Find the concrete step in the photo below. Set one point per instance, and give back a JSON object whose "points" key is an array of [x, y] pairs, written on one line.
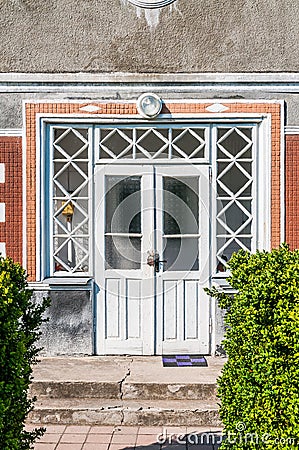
{"points": [[90, 411], [125, 390]]}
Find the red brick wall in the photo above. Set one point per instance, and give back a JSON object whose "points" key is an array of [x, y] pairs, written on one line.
{"points": [[292, 190], [11, 195]]}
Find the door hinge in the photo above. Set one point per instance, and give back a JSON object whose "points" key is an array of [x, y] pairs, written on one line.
{"points": [[210, 174], [210, 325]]}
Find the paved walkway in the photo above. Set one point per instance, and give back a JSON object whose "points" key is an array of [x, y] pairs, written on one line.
{"points": [[68, 437]]}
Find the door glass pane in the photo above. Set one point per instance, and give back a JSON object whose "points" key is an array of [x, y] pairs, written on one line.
{"points": [[123, 204], [122, 252], [181, 254], [180, 205]]}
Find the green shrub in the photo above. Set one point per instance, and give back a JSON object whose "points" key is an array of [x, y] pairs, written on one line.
{"points": [[19, 332], [259, 385]]}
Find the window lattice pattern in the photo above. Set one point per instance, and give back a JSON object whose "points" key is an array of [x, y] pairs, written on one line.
{"points": [[152, 143], [70, 199], [234, 192]]}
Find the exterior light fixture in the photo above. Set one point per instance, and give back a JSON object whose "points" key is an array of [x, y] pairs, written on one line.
{"points": [[151, 3], [149, 105]]}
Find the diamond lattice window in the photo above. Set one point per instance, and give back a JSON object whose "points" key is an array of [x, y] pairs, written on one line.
{"points": [[70, 195], [153, 143], [234, 192]]}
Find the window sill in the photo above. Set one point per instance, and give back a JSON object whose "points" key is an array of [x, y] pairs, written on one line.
{"points": [[219, 280], [63, 283]]}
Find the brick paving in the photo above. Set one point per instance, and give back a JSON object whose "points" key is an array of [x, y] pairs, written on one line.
{"points": [[71, 437]]}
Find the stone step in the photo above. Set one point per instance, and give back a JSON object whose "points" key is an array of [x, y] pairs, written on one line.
{"points": [[91, 411], [140, 391], [125, 390]]}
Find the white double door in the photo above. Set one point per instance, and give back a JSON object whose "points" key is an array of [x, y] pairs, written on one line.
{"points": [[152, 259]]}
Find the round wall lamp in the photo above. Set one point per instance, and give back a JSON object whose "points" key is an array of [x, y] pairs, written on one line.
{"points": [[151, 3], [149, 105]]}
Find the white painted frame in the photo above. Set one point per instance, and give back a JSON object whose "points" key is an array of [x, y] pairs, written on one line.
{"points": [[264, 138], [263, 169], [261, 206], [44, 248], [157, 124]]}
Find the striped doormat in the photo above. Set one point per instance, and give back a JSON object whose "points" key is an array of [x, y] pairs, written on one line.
{"points": [[184, 361]]}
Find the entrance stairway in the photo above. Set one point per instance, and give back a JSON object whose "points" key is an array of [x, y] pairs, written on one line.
{"points": [[124, 390]]}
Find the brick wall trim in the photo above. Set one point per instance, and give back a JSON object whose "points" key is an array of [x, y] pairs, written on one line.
{"points": [[292, 190], [11, 195]]}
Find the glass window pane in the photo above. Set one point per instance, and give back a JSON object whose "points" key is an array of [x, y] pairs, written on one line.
{"points": [[115, 142], [234, 217], [230, 246], [180, 205], [235, 141], [71, 254], [123, 204], [234, 179], [153, 142], [122, 252], [70, 142], [181, 254], [189, 141]]}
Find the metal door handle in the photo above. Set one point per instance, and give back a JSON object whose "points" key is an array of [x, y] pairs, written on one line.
{"points": [[157, 263], [154, 260]]}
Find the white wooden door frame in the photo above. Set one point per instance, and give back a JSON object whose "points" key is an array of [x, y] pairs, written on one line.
{"points": [[151, 336]]}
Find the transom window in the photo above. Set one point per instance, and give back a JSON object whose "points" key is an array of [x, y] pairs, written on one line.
{"points": [[178, 142]]}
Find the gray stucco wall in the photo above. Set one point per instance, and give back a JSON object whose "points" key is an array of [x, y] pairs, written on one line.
{"points": [[190, 36], [69, 330], [11, 104]]}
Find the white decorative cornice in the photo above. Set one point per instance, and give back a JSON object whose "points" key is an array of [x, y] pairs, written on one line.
{"points": [[291, 130], [105, 83], [125, 77], [10, 132]]}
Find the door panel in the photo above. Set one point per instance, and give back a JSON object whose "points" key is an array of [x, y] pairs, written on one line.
{"points": [[182, 305], [124, 224], [144, 309]]}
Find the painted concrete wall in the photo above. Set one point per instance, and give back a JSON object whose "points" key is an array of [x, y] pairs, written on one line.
{"points": [[189, 36], [69, 330]]}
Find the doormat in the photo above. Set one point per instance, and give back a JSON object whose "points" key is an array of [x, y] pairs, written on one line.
{"points": [[184, 361]]}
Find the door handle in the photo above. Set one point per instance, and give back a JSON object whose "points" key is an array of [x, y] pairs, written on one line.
{"points": [[154, 260], [157, 263]]}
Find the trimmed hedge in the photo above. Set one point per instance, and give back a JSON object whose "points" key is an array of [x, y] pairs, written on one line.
{"points": [[20, 320], [259, 385]]}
